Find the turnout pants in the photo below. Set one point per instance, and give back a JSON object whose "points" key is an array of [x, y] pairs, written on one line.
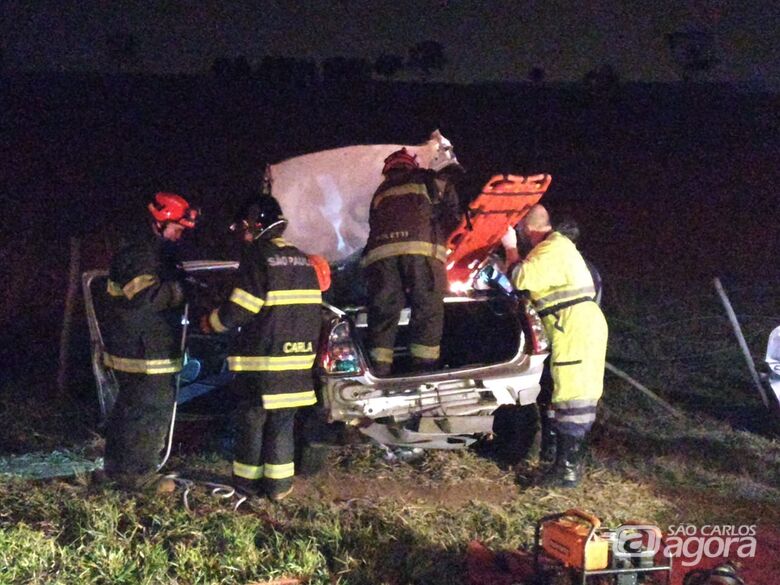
{"points": [[265, 443], [393, 281], [137, 425]]}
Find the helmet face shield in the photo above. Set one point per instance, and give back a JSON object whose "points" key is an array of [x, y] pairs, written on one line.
{"points": [[190, 217], [261, 216]]}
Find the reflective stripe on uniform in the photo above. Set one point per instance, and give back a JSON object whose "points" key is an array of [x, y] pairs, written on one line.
{"points": [[575, 404], [436, 251], [215, 323], [114, 289], [406, 189], [563, 295], [246, 300], [247, 471], [133, 287], [382, 354], [243, 363], [294, 297], [279, 470], [289, 400], [575, 417], [142, 366], [426, 352]]}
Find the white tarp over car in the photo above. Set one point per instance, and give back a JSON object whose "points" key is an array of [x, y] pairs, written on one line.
{"points": [[326, 195]]}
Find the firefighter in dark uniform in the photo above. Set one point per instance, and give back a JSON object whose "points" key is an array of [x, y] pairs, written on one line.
{"points": [[411, 215], [276, 302], [143, 342]]}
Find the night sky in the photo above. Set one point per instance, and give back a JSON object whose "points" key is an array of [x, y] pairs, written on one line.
{"points": [[483, 40]]}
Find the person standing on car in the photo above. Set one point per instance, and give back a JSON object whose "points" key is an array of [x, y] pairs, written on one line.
{"points": [[142, 337], [563, 293], [411, 215], [276, 303]]}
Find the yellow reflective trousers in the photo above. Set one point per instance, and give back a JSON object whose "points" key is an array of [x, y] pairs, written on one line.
{"points": [[578, 335]]}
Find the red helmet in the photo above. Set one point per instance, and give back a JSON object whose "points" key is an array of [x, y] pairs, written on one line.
{"points": [[400, 159], [171, 207]]}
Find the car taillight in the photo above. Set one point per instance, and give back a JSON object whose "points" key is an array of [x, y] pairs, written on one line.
{"points": [[339, 354], [538, 337]]}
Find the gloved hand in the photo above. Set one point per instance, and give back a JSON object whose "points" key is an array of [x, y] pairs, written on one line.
{"points": [[205, 325], [509, 239]]}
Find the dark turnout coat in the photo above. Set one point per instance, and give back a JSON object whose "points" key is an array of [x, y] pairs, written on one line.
{"points": [[409, 216], [276, 302], [143, 325]]}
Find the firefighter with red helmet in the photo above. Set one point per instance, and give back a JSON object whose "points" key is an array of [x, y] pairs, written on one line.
{"points": [[276, 302], [411, 215], [142, 341]]}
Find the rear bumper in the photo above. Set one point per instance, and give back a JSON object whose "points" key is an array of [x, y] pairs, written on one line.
{"points": [[464, 392]]}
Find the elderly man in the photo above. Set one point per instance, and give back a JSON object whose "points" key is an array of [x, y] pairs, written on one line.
{"points": [[562, 290]]}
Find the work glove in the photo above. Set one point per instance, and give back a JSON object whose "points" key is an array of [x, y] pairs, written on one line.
{"points": [[509, 239], [205, 325]]}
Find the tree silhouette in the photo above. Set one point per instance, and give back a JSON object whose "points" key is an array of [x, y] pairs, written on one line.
{"points": [[536, 75], [387, 65], [603, 79], [234, 69], [427, 56], [693, 52], [122, 50], [346, 70], [602, 83], [241, 68], [289, 71]]}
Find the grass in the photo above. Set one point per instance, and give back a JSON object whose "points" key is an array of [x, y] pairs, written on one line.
{"points": [[367, 520]]}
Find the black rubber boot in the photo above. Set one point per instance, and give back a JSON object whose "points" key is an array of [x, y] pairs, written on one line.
{"points": [[382, 369], [567, 470], [547, 449], [422, 365], [248, 487]]}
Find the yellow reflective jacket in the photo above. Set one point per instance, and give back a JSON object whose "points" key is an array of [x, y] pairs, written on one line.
{"points": [[555, 274], [561, 288]]}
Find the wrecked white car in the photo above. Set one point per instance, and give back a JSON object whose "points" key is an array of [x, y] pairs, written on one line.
{"points": [[492, 353]]}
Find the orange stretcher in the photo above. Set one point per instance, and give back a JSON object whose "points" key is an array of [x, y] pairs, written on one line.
{"points": [[504, 201]]}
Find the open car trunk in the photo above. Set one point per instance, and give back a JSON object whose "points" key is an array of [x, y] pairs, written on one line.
{"points": [[477, 333]]}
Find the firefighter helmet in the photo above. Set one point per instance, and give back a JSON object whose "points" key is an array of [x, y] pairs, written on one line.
{"points": [[261, 216], [400, 159], [169, 207]]}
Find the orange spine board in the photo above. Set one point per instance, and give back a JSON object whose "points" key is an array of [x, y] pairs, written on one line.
{"points": [[503, 202]]}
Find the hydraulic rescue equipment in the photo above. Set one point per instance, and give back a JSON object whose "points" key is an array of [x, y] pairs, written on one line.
{"points": [[573, 544]]}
